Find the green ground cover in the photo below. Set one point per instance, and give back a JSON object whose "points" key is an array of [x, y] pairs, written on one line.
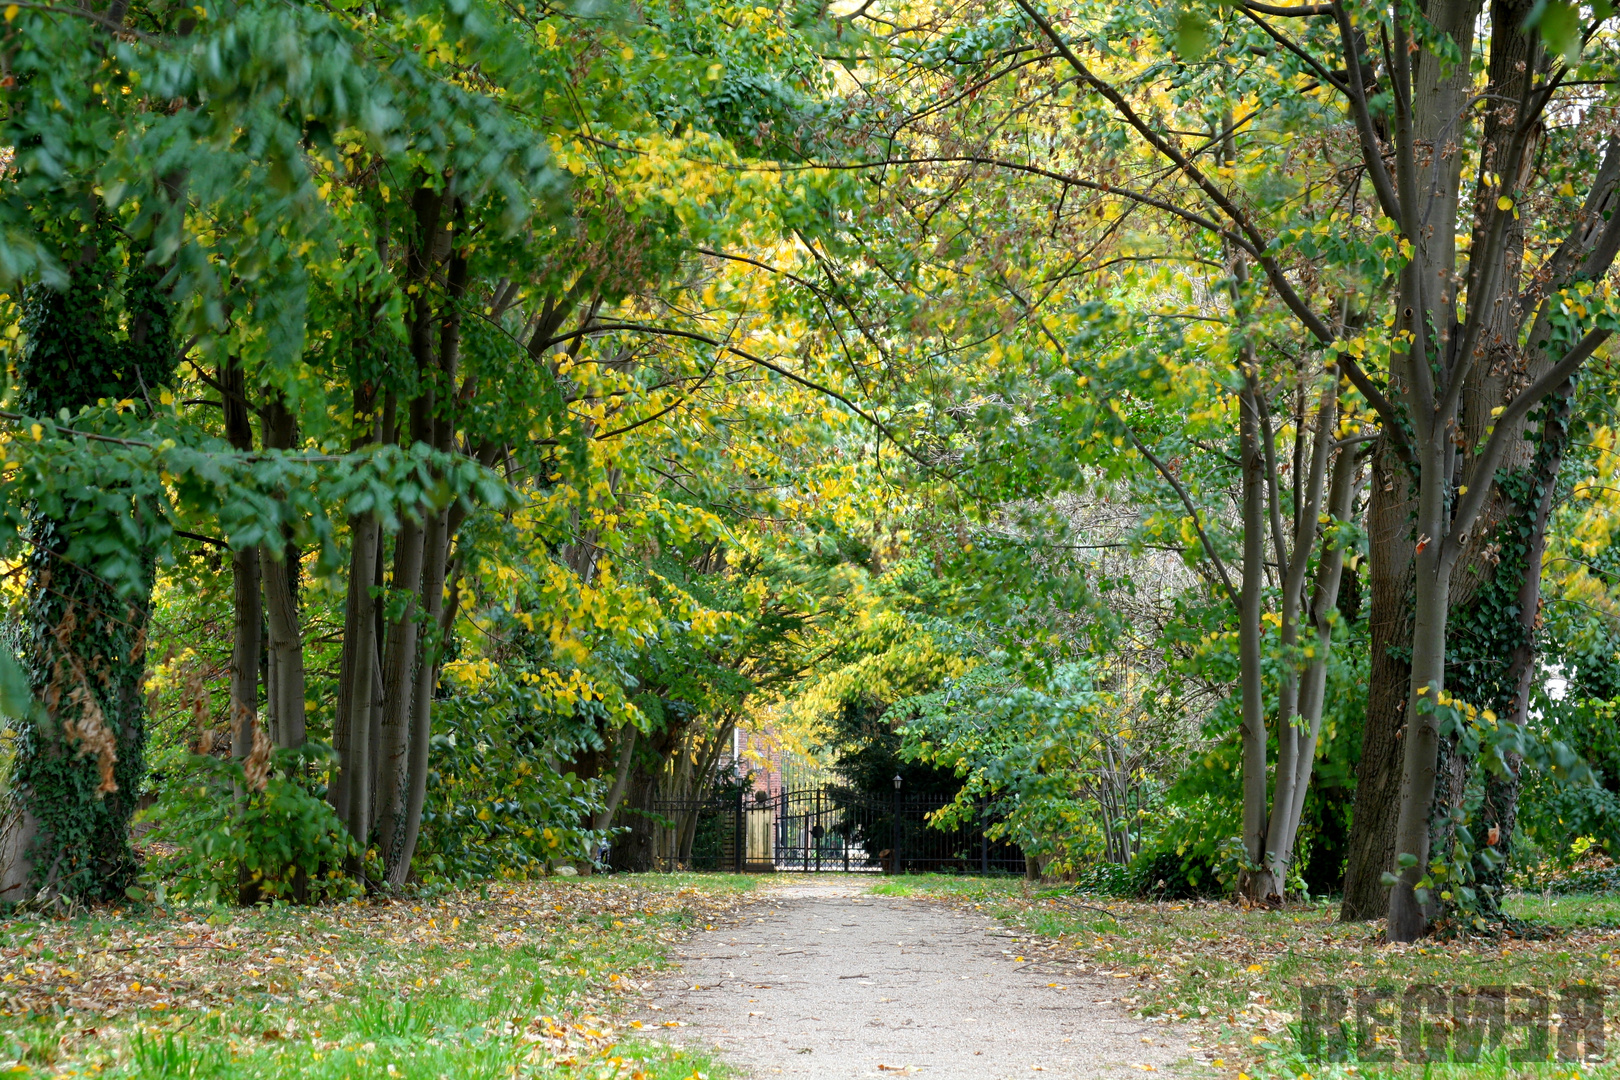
{"points": [[1232, 976], [514, 979]]}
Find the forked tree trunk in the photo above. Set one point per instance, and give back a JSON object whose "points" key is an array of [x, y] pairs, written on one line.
{"points": [[391, 779], [1294, 727], [1324, 604], [621, 776], [436, 543]]}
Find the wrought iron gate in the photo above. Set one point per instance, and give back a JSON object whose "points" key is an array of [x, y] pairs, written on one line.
{"points": [[823, 829]]}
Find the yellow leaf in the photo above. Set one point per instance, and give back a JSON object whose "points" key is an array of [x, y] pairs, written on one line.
{"points": [[38, 431], [1504, 203], [11, 11], [1256, 967]]}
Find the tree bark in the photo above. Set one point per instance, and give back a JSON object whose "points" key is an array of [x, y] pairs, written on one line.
{"points": [[286, 688], [1324, 605], [1407, 920], [1255, 882], [392, 776], [248, 614], [1293, 730], [1389, 624], [351, 792], [439, 535], [621, 775]]}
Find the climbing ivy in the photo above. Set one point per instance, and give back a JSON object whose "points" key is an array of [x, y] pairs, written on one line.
{"points": [[81, 758]]}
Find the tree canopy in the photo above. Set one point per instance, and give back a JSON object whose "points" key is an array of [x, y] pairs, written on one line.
{"points": [[435, 428]]}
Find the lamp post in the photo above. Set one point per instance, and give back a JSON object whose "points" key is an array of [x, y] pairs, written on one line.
{"points": [[898, 862]]}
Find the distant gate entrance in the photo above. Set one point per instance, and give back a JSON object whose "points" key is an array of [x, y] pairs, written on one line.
{"points": [[822, 829]]}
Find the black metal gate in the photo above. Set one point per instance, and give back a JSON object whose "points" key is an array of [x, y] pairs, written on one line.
{"points": [[823, 829]]}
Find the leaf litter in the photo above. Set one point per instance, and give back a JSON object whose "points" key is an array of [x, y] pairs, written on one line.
{"points": [[539, 971]]}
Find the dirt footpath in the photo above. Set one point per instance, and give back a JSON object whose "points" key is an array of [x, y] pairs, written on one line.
{"points": [[822, 980]]}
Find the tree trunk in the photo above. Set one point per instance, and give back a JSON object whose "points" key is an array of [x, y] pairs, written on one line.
{"points": [[351, 737], [390, 775], [1255, 881], [286, 688], [1433, 562], [633, 849], [1294, 730], [248, 616], [1324, 605], [79, 769], [1389, 622], [610, 805], [436, 543]]}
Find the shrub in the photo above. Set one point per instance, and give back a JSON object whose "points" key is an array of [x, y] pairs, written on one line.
{"points": [[497, 804], [222, 840]]}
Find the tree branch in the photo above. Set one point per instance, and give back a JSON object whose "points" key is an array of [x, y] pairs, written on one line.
{"points": [[1484, 469], [692, 335]]}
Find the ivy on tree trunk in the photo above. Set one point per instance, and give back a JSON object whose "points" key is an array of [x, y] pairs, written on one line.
{"points": [[80, 765]]}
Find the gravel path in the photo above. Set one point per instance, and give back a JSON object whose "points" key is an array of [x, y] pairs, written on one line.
{"points": [[822, 980]]}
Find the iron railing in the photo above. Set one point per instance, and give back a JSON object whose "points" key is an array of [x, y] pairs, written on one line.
{"points": [[822, 829]]}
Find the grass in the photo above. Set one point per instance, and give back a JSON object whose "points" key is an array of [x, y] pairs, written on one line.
{"points": [[515, 979], [1232, 977]]}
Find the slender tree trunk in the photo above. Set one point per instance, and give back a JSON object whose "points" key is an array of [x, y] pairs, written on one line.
{"points": [[351, 793], [390, 779], [621, 775], [286, 688], [420, 729], [379, 640], [1291, 727], [393, 780], [248, 615], [435, 566], [1324, 604], [700, 789], [1251, 605]]}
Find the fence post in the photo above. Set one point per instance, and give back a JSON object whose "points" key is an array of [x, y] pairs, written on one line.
{"points": [[741, 841], [814, 839], [984, 839], [899, 860]]}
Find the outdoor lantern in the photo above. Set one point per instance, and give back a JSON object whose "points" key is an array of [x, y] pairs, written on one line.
{"points": [[897, 781]]}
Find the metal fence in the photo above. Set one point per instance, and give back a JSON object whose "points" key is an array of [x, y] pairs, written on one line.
{"points": [[823, 829]]}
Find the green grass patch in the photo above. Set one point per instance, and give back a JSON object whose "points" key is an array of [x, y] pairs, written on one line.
{"points": [[957, 886], [511, 979]]}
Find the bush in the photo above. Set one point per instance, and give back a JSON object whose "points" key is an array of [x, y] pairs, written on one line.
{"points": [[1105, 879], [497, 806], [228, 841]]}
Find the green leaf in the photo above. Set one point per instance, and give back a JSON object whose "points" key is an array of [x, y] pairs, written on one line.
{"points": [[1560, 26], [1406, 860], [16, 697], [1192, 35]]}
